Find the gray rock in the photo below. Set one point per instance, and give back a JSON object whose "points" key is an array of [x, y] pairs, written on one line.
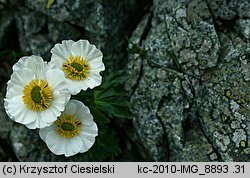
{"points": [[58, 31], [228, 100], [223, 10], [3, 1], [243, 9], [6, 28], [232, 15], [104, 23], [243, 28], [5, 123], [30, 26], [192, 84]]}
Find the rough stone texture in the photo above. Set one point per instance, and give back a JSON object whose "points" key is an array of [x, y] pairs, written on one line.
{"points": [[190, 91], [5, 124], [6, 28], [232, 15], [105, 23]]}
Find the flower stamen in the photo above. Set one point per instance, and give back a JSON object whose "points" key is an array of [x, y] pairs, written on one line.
{"points": [[68, 126], [76, 68], [37, 95]]}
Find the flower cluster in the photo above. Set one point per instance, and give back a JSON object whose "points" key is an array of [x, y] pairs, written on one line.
{"points": [[38, 95]]}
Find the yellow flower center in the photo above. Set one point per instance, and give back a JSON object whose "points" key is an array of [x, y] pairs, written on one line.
{"points": [[37, 95], [76, 68], [68, 126]]}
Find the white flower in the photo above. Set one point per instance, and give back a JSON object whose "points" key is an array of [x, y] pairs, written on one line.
{"points": [[73, 132], [36, 93], [81, 63]]}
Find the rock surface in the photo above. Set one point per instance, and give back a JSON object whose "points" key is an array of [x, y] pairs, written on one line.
{"points": [[190, 90], [105, 23]]}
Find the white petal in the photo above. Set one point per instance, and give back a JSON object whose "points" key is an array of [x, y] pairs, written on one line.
{"points": [[93, 51], [20, 64], [75, 86], [88, 134], [14, 90], [90, 130], [60, 94], [48, 115], [80, 111], [9, 85], [83, 113], [96, 78], [6, 108], [98, 69], [81, 48], [50, 66], [56, 79], [70, 108], [90, 82], [62, 51], [58, 102], [55, 143], [59, 145], [95, 57], [73, 146], [38, 123], [18, 111], [33, 60], [79, 104], [58, 84], [96, 63], [57, 61], [22, 77], [86, 118], [37, 65], [87, 144], [45, 131], [55, 111]]}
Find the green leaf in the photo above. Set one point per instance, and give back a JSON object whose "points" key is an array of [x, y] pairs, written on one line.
{"points": [[99, 117], [110, 98], [49, 3], [114, 79], [135, 48], [112, 92], [173, 56], [117, 102], [87, 97], [12, 54], [106, 146], [111, 110]]}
